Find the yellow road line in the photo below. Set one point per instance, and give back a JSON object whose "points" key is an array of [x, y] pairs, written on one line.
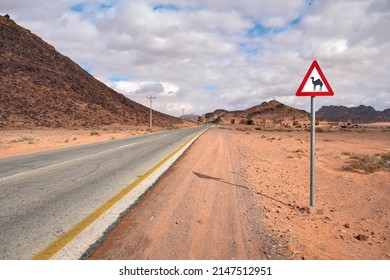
{"points": [[68, 236]]}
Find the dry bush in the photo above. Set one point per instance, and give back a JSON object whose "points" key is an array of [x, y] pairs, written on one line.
{"points": [[368, 163], [29, 139]]}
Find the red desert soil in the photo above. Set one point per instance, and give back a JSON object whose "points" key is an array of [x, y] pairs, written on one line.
{"points": [[239, 193], [19, 142]]}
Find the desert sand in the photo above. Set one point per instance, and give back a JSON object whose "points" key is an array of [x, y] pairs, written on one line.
{"points": [[351, 219], [19, 142]]}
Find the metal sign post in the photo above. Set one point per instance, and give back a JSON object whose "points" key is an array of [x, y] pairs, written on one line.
{"points": [[309, 88], [312, 150]]}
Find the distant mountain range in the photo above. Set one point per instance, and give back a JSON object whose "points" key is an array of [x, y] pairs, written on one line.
{"points": [[359, 114], [274, 110], [42, 88]]}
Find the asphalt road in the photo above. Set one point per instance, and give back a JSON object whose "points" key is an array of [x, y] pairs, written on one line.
{"points": [[44, 195]]}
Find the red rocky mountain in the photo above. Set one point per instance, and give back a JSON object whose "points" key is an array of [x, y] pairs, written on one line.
{"points": [[42, 88]]}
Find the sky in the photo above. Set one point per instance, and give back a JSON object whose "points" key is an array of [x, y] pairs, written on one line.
{"points": [[197, 56]]}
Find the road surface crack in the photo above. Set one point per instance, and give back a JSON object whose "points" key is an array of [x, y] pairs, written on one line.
{"points": [[82, 176]]}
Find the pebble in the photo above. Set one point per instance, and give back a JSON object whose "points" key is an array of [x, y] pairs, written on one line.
{"points": [[361, 237]]}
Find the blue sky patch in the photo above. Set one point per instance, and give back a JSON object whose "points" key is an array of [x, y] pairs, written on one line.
{"points": [[258, 30], [249, 48], [211, 87], [118, 78], [166, 7], [78, 8], [86, 68], [295, 21], [104, 7]]}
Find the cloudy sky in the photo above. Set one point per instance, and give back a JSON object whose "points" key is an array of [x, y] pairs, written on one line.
{"points": [[196, 56]]}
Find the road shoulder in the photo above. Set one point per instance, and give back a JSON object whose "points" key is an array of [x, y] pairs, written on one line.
{"points": [[200, 209]]}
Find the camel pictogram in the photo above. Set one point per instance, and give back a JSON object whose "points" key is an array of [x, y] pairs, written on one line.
{"points": [[316, 83]]}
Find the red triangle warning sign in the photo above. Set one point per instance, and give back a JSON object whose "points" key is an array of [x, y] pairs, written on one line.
{"points": [[317, 85]]}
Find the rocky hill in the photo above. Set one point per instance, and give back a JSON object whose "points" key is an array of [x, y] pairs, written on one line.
{"points": [[360, 114], [271, 110], [42, 88]]}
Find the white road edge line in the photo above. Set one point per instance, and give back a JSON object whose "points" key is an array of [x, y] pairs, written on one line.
{"points": [[32, 171], [121, 147]]}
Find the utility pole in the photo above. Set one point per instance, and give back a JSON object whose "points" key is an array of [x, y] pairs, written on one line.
{"points": [[151, 100]]}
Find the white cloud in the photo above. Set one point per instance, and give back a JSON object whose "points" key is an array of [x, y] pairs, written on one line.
{"points": [[132, 89], [179, 50], [183, 107]]}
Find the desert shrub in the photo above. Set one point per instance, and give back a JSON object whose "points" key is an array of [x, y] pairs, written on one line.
{"points": [[217, 120], [29, 139], [385, 156], [329, 140], [95, 133], [249, 122], [368, 163]]}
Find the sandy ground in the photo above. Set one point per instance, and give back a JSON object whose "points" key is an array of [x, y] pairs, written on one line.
{"points": [[351, 219], [242, 193], [19, 142]]}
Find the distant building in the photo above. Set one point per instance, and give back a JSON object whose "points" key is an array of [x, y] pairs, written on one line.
{"points": [[284, 122]]}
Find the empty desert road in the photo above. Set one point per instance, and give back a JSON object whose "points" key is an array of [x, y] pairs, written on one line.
{"points": [[44, 195]]}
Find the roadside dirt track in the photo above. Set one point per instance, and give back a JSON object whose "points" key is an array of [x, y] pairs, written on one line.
{"points": [[201, 209]]}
